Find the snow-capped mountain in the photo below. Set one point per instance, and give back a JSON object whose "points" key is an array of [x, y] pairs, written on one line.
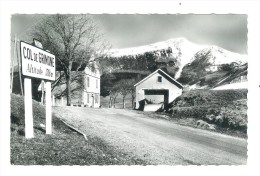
{"points": [[217, 56], [182, 50], [185, 52], [175, 44]]}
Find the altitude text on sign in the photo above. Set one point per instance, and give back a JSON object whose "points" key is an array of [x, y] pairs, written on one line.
{"points": [[37, 62]]}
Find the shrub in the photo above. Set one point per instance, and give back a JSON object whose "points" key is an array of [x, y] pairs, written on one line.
{"points": [[198, 112], [207, 97], [225, 108]]}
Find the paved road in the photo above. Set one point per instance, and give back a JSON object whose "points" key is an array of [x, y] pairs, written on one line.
{"points": [[156, 140]]}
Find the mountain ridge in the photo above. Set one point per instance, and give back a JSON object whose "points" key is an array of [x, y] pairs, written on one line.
{"points": [[182, 52]]}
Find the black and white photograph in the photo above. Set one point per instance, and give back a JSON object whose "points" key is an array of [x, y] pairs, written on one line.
{"points": [[130, 89]]}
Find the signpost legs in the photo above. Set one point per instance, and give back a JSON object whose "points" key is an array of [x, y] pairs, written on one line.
{"points": [[53, 100], [28, 108], [42, 88], [48, 108]]}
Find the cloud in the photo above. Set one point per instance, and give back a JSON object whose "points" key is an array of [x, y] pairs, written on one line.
{"points": [[227, 31]]}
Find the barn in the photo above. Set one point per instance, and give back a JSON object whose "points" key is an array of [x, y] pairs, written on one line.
{"points": [[157, 88]]}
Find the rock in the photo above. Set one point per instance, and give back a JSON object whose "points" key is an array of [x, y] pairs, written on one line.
{"points": [[204, 125], [211, 127], [210, 117]]}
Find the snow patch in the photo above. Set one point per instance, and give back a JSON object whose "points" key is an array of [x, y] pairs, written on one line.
{"points": [[240, 85]]}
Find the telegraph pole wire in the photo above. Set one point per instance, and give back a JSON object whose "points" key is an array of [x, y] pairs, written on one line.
{"points": [[12, 77]]}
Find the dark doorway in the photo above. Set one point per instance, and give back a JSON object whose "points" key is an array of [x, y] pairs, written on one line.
{"points": [[157, 96]]}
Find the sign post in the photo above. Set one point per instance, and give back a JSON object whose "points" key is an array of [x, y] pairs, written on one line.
{"points": [[36, 63], [48, 108], [28, 108], [42, 91]]}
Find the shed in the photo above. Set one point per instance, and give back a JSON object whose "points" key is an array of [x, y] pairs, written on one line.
{"points": [[157, 88]]}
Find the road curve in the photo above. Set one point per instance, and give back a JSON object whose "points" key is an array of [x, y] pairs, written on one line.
{"points": [[157, 141]]}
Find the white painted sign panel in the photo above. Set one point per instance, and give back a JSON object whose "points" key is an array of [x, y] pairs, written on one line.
{"points": [[37, 63]]}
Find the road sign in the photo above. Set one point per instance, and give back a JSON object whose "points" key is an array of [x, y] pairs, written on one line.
{"points": [[37, 63]]}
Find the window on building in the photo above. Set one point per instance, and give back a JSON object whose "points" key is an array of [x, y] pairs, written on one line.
{"points": [[87, 98], [87, 81], [96, 83], [159, 79], [96, 98]]}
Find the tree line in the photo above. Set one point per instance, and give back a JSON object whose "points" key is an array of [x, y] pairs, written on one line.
{"points": [[146, 61]]}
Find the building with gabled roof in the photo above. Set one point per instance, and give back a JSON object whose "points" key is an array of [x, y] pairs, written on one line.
{"points": [[85, 93], [157, 88]]}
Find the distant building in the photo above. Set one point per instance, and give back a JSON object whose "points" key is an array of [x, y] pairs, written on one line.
{"points": [[212, 68], [87, 94], [158, 87], [242, 77], [91, 92]]}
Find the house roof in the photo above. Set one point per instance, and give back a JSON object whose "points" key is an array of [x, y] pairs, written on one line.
{"points": [[165, 75]]}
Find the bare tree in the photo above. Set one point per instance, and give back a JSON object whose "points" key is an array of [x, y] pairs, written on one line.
{"points": [[74, 39], [133, 96], [132, 92], [113, 95], [126, 87]]}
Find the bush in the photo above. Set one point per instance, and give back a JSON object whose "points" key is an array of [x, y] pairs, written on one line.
{"points": [[225, 117], [198, 112], [208, 97]]}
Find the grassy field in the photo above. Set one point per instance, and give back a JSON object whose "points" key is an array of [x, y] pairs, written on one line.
{"points": [[64, 147]]}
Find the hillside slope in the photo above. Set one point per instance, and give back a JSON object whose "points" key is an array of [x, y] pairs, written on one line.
{"points": [[225, 109], [196, 76]]}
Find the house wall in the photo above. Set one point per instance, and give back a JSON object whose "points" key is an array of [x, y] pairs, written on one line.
{"points": [[91, 93], [152, 83]]}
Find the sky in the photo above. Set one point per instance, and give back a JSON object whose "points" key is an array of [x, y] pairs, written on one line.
{"points": [[123, 31]]}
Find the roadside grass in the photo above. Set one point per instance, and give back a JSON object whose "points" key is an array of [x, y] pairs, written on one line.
{"points": [[63, 147]]}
